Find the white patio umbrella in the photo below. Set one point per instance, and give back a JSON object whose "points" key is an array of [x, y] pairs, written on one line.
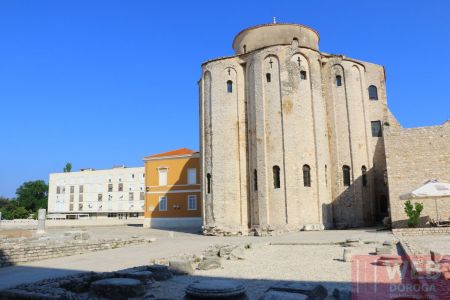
{"points": [[430, 189]]}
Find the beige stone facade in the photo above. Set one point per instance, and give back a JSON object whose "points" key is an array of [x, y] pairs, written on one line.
{"points": [[414, 156], [282, 124]]}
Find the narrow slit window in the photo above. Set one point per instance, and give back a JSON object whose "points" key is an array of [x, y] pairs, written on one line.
{"points": [[373, 92], [268, 77], [364, 175], [303, 75], [208, 183], [338, 80], [276, 177], [306, 176], [255, 180], [229, 86], [346, 175]]}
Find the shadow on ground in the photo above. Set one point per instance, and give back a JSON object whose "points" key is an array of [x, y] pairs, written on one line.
{"points": [[68, 284]]}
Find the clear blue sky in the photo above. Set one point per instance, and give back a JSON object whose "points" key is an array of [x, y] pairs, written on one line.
{"points": [[101, 83]]}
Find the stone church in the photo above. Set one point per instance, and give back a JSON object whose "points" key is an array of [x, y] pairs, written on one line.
{"points": [[291, 137]]}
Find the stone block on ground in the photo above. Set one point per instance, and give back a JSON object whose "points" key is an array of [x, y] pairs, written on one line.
{"points": [[383, 250], [216, 289], [342, 294], [237, 253], [77, 235], [160, 272], [137, 274], [76, 285], [312, 227], [209, 263], [181, 267], [389, 260], [353, 242], [347, 255], [226, 250], [118, 288], [435, 256], [388, 243], [313, 291], [281, 295]]}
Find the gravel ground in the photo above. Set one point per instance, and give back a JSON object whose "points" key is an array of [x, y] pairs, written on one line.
{"points": [[170, 243], [266, 264], [423, 244]]}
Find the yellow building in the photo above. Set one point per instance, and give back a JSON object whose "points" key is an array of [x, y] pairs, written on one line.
{"points": [[172, 197]]}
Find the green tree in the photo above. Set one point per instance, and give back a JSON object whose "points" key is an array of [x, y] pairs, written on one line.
{"points": [[32, 195], [20, 213], [11, 211], [68, 168], [413, 213], [4, 202]]}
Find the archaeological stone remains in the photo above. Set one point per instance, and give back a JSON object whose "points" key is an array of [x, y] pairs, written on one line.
{"points": [[291, 137]]}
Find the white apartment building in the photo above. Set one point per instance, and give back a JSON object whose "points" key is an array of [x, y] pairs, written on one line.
{"points": [[97, 194]]}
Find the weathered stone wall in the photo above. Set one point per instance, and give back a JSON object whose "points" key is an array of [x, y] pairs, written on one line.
{"points": [[224, 145], [421, 231], [18, 252], [414, 156]]}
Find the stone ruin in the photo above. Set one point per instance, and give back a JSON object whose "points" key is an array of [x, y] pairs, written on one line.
{"points": [[140, 282], [21, 250]]}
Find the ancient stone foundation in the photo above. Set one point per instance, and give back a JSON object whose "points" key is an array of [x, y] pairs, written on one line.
{"points": [[17, 251]]}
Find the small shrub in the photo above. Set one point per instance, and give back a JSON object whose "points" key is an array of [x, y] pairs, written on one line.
{"points": [[413, 213]]}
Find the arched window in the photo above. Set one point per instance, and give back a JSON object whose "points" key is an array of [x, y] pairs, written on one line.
{"points": [[276, 177], [303, 75], [338, 80], [229, 86], [245, 48], [306, 175], [268, 77], [346, 175], [208, 184], [255, 180], [364, 175], [373, 92]]}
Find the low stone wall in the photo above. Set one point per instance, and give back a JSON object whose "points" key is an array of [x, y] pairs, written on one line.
{"points": [[17, 253], [18, 223], [92, 222], [421, 231]]}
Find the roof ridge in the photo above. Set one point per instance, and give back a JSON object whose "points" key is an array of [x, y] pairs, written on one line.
{"points": [[176, 152]]}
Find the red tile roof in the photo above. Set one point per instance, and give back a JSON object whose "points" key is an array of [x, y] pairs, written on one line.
{"points": [[181, 151]]}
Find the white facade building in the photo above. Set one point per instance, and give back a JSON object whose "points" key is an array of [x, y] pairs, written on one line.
{"points": [[113, 193]]}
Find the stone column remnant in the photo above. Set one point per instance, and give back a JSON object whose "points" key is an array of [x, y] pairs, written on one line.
{"points": [[42, 213]]}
